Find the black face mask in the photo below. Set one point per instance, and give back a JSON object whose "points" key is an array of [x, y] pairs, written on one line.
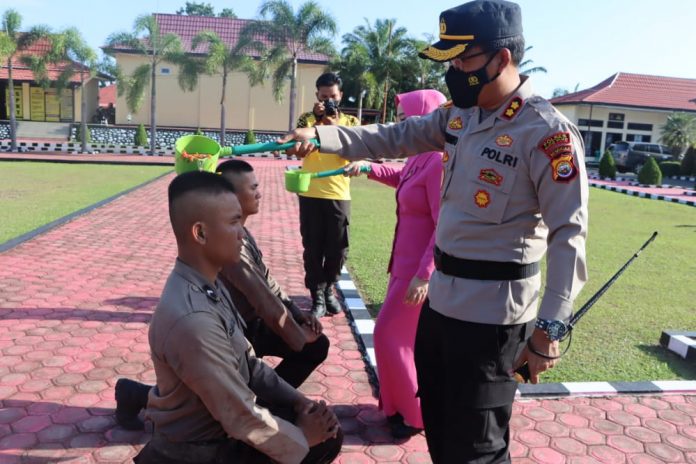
{"points": [[465, 87]]}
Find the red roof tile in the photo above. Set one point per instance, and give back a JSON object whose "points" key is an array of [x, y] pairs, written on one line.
{"points": [[107, 95], [187, 27], [638, 90], [21, 72]]}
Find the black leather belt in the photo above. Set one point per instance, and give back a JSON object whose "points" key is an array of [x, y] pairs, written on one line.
{"points": [[482, 270]]}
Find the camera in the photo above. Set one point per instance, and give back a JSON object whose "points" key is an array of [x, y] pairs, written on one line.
{"points": [[330, 107]]}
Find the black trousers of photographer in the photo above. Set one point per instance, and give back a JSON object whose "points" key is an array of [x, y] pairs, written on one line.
{"points": [[465, 386], [324, 229]]}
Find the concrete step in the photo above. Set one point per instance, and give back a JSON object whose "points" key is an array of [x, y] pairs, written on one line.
{"points": [[43, 130]]}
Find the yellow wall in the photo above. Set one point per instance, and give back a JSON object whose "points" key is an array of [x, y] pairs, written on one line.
{"points": [[655, 117], [246, 107]]}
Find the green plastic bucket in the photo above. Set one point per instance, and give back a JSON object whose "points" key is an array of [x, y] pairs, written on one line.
{"points": [[297, 181], [196, 144]]}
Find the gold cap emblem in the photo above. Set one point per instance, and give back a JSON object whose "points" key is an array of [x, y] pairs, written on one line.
{"points": [[443, 26]]}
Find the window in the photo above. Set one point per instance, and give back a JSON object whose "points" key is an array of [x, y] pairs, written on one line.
{"points": [[615, 124], [637, 138], [640, 127], [165, 71], [590, 122], [616, 117]]}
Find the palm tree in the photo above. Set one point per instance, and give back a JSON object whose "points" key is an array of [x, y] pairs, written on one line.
{"points": [[291, 34], [679, 133], [385, 47], [526, 67], [220, 58], [357, 78], [146, 39], [77, 57], [14, 43]]}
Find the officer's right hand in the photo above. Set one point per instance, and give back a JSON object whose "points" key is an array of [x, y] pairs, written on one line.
{"points": [[302, 146], [317, 422], [353, 169], [538, 364]]}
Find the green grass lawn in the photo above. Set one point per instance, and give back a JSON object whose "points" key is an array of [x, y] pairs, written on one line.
{"points": [[619, 338], [34, 194]]}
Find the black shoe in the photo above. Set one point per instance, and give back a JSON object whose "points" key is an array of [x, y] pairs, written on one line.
{"points": [[131, 397], [403, 430], [333, 306], [318, 302]]}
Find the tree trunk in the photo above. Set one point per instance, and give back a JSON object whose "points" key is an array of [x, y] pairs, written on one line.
{"points": [[384, 102], [13, 113], [83, 110], [293, 94], [223, 112], [360, 104], [153, 109]]}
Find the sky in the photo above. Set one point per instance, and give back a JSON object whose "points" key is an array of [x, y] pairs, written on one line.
{"points": [[578, 42]]}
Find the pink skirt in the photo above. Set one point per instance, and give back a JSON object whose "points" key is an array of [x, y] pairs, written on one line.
{"points": [[395, 336]]}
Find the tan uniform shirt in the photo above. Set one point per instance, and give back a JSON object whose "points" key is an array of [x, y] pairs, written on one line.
{"points": [[256, 294], [514, 188], [208, 377]]}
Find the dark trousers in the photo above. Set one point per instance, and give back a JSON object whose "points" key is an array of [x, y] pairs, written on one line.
{"points": [[160, 451], [296, 365], [465, 386], [324, 229]]}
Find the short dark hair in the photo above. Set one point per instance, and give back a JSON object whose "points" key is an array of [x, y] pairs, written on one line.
{"points": [[328, 80], [234, 166], [202, 182], [515, 44]]}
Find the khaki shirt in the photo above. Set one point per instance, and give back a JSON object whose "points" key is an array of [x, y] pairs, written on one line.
{"points": [[514, 188], [208, 377], [256, 294]]}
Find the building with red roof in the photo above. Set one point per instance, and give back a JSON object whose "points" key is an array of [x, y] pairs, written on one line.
{"points": [[625, 106], [247, 107], [33, 102]]}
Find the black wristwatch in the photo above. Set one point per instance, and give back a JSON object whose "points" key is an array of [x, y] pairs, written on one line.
{"points": [[554, 329]]}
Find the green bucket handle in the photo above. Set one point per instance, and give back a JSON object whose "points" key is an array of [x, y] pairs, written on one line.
{"points": [[338, 171], [261, 147]]}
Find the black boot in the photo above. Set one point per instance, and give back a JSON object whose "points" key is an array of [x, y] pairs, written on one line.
{"points": [[333, 306], [131, 397], [318, 302]]}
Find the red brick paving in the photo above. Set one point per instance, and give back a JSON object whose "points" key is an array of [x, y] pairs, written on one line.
{"points": [[74, 307]]}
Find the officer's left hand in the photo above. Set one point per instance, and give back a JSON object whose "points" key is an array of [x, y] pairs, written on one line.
{"points": [[417, 291], [538, 364], [308, 319]]}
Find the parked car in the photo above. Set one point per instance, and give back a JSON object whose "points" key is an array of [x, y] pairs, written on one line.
{"points": [[631, 156]]}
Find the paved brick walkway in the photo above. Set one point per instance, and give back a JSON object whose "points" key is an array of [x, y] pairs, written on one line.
{"points": [[74, 307]]}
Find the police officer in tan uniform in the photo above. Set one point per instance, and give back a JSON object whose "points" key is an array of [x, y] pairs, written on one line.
{"points": [[204, 406], [514, 189]]}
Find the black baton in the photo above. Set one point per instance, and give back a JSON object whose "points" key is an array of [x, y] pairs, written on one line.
{"points": [[522, 373]]}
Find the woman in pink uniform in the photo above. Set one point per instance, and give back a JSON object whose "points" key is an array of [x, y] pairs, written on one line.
{"points": [[418, 202]]}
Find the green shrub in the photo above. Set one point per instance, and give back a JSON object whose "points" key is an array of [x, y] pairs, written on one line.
{"points": [[670, 168], [250, 137], [650, 173], [607, 166], [140, 136], [198, 132], [78, 134], [688, 163]]}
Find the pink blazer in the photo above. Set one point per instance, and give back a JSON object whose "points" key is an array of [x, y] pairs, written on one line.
{"points": [[418, 204]]}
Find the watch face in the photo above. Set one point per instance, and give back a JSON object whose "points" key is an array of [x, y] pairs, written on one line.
{"points": [[556, 330]]}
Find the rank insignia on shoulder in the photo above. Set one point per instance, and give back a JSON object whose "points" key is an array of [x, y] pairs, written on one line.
{"points": [[563, 168], [503, 140], [491, 176], [482, 198], [447, 104], [557, 145], [455, 124], [512, 109], [445, 157]]}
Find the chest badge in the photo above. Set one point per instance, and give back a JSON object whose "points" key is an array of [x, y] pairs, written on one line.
{"points": [[491, 176], [512, 109], [455, 124], [482, 199], [503, 141]]}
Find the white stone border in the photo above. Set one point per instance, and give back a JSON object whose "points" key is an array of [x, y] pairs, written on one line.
{"points": [[650, 196]]}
